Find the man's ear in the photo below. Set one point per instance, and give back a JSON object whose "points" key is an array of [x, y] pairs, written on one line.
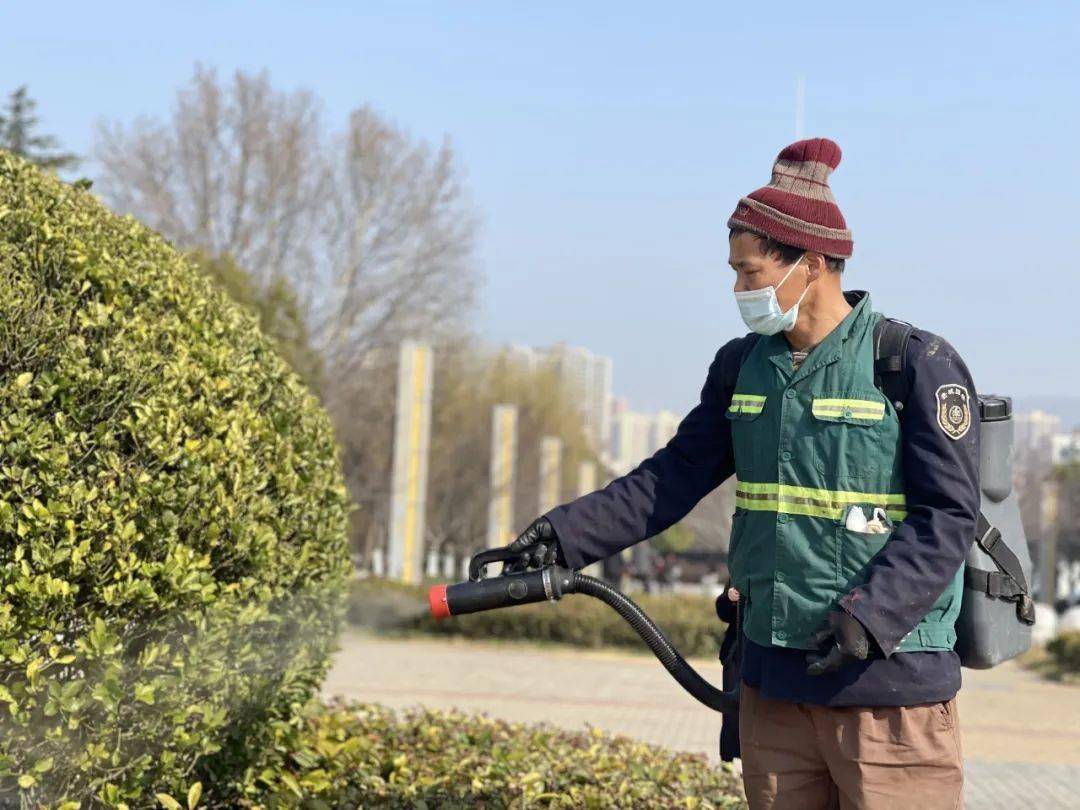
{"points": [[815, 265]]}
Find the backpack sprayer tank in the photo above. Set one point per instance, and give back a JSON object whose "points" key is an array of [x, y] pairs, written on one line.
{"points": [[997, 612]]}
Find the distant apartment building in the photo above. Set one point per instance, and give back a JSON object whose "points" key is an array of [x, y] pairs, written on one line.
{"points": [[635, 436], [665, 423], [1034, 441], [1065, 448], [631, 437], [621, 437], [523, 356], [586, 377]]}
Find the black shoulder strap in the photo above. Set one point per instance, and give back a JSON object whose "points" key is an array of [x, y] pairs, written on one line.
{"points": [[1008, 582], [989, 539], [890, 359]]}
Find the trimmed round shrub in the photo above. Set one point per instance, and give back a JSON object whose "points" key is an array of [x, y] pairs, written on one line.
{"points": [[172, 516]]}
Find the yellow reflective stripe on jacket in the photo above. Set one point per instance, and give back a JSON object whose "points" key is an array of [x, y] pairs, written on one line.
{"points": [[867, 409], [813, 502], [747, 403]]}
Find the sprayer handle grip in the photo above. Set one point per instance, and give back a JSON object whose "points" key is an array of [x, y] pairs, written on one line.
{"points": [[479, 560]]}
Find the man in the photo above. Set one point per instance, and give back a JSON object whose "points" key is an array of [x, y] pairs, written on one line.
{"points": [[853, 516]]}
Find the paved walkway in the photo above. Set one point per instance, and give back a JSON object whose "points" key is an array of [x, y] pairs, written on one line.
{"points": [[1020, 734]]}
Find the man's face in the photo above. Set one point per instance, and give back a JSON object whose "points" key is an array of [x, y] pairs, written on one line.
{"points": [[754, 269]]}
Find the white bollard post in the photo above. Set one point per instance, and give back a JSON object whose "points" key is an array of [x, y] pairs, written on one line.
{"points": [[378, 562], [412, 429], [550, 473], [501, 477], [448, 564], [432, 569]]}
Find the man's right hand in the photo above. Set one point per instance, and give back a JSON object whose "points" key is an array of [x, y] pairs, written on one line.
{"points": [[538, 545]]}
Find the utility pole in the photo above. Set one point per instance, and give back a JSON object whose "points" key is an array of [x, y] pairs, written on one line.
{"points": [[800, 107]]}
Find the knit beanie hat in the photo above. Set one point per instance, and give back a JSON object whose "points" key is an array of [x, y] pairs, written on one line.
{"points": [[797, 208]]}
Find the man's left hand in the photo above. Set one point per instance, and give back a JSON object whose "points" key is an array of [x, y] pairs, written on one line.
{"points": [[538, 545], [849, 642]]}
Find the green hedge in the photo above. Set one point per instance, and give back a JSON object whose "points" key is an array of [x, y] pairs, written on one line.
{"points": [[690, 622], [172, 515], [1064, 651], [366, 756]]}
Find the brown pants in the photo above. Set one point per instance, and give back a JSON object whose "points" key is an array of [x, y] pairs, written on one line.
{"points": [[798, 756]]}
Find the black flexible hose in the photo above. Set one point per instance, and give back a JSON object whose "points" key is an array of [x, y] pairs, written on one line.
{"points": [[663, 649], [551, 584]]}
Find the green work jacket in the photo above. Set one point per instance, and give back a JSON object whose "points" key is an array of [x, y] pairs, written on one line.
{"points": [[808, 444]]}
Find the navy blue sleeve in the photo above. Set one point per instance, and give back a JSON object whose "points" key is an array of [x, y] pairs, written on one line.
{"points": [[664, 487], [941, 485]]}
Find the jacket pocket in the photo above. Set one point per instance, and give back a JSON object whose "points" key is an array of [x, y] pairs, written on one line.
{"points": [[856, 409], [854, 550], [847, 434], [746, 436]]}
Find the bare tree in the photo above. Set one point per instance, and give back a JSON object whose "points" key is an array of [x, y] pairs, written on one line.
{"points": [[237, 171], [398, 241], [364, 422], [370, 227]]}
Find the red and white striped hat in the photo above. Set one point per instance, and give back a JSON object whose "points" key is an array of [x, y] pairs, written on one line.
{"points": [[797, 208]]}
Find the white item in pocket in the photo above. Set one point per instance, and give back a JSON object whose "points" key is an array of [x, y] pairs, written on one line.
{"points": [[879, 523], [856, 519]]}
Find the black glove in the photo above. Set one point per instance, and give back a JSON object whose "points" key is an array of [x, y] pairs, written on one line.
{"points": [[848, 639], [538, 545], [725, 605]]}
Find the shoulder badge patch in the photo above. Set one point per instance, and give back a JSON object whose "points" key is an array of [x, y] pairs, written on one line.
{"points": [[953, 410]]}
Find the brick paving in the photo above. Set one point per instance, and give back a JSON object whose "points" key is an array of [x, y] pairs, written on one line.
{"points": [[1020, 733]]}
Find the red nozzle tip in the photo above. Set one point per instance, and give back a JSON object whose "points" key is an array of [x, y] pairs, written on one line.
{"points": [[436, 597]]}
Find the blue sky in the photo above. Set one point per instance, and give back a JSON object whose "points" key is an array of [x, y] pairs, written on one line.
{"points": [[605, 145]]}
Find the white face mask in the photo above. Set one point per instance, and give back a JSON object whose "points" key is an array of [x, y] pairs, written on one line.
{"points": [[761, 311]]}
